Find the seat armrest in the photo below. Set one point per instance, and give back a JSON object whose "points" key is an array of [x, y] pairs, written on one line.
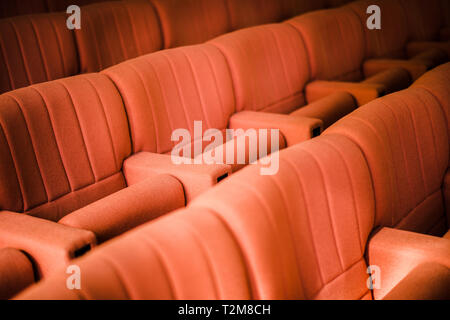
{"points": [[397, 252], [429, 281], [49, 244], [293, 129], [195, 178], [415, 68], [129, 207], [16, 272], [362, 92], [329, 109]]}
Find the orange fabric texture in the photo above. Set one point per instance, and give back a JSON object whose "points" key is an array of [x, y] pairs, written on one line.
{"points": [[171, 89], [194, 178], [50, 245], [117, 31], [404, 138], [269, 67], [362, 92], [59, 138], [248, 245], [399, 252], [35, 49], [433, 280], [128, 208], [16, 272], [329, 109], [191, 21], [334, 40], [389, 41]]}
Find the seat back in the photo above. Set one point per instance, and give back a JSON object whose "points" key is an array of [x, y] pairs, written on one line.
{"points": [[390, 40], [425, 19], [190, 22], [300, 234], [116, 31], [268, 65], [436, 82], [404, 138], [247, 13], [62, 144], [171, 89], [35, 48], [334, 41]]}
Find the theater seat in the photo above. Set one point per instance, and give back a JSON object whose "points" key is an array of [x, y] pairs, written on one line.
{"points": [[252, 237], [35, 49], [334, 42], [269, 67], [247, 13], [191, 21], [62, 147], [173, 89], [425, 24], [16, 272], [387, 47], [116, 31], [300, 234], [404, 138]]}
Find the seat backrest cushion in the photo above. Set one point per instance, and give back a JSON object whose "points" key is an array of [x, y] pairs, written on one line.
{"points": [[437, 82], [189, 255], [304, 230], [300, 234], [404, 139], [247, 13], [190, 22], [116, 31], [62, 144], [390, 40], [13, 8], [171, 89], [424, 17], [35, 49], [269, 66], [335, 43]]}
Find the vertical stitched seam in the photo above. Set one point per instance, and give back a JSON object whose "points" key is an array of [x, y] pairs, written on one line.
{"points": [[44, 63], [13, 158], [106, 121], [202, 103], [54, 136], [25, 63], [8, 67], [330, 216], [81, 130], [150, 104], [30, 136], [59, 45]]}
